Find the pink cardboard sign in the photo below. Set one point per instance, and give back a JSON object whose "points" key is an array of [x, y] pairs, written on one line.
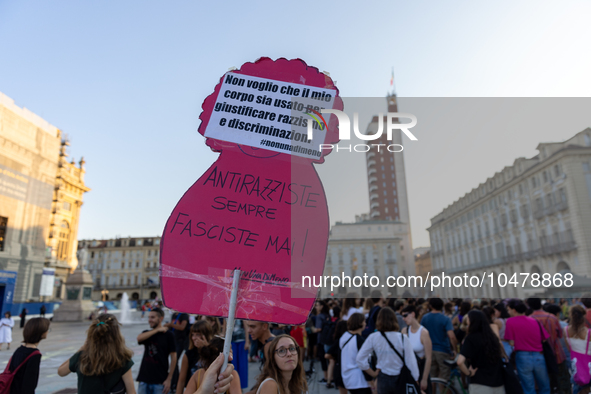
{"points": [[260, 207]]}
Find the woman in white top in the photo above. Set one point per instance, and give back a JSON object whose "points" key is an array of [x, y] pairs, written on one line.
{"points": [[283, 372], [353, 378], [389, 363], [6, 324], [350, 306], [576, 332], [421, 344]]}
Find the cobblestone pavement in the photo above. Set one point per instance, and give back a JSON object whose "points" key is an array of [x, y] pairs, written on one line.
{"points": [[66, 338]]}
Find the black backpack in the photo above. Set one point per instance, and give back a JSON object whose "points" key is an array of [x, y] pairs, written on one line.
{"points": [[327, 333], [337, 376], [406, 383]]}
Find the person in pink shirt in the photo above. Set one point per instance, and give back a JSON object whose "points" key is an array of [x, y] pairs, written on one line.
{"points": [[526, 335]]}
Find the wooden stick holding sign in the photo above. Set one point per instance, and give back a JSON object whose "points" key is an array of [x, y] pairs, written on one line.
{"points": [[231, 314]]}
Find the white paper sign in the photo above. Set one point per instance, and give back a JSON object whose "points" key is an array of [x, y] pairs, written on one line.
{"points": [[269, 114], [47, 282]]}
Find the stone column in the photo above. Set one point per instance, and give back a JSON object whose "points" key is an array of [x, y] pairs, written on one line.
{"points": [[78, 303]]}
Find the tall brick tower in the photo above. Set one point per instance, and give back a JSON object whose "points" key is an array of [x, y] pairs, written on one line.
{"points": [[387, 181], [386, 176]]}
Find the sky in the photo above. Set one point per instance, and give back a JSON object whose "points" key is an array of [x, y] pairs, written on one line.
{"points": [[125, 81]]}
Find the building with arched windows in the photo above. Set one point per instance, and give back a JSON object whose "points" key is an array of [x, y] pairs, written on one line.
{"points": [[370, 248], [124, 265], [530, 220]]}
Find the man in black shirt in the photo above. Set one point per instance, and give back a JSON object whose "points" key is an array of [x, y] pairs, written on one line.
{"points": [[155, 375], [378, 301], [180, 328]]}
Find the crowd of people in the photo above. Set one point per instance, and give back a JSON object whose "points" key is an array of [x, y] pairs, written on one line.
{"points": [[104, 363], [362, 346], [542, 344], [373, 345]]}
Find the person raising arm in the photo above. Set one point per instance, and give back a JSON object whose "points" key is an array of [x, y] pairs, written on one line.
{"points": [[155, 372]]}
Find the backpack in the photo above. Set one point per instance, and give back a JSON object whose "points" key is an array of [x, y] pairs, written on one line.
{"points": [[337, 368], [371, 322], [337, 375], [7, 376], [406, 382], [549, 355], [327, 333]]}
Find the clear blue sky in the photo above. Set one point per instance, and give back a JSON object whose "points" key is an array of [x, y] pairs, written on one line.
{"points": [[125, 80]]}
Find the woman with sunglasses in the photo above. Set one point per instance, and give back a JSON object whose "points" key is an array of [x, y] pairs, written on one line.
{"points": [[421, 344], [283, 372]]}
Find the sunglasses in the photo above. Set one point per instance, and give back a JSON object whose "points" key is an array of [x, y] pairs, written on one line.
{"points": [[282, 352], [405, 314]]}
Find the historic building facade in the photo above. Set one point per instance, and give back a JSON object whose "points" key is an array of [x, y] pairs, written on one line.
{"points": [[40, 199], [365, 247], [533, 217], [122, 265], [29, 156], [61, 243], [423, 265]]}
